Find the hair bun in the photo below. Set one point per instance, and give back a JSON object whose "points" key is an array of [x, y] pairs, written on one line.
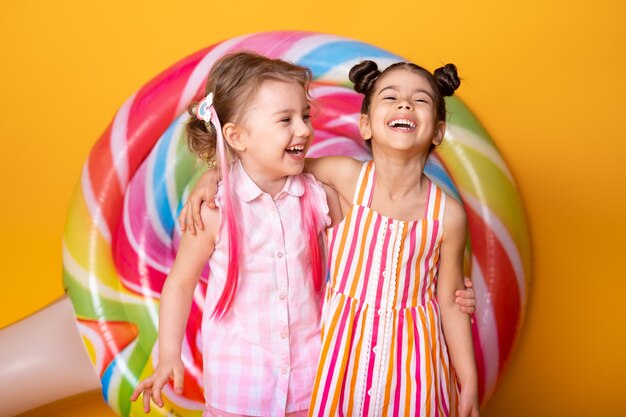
{"points": [[447, 79], [363, 75]]}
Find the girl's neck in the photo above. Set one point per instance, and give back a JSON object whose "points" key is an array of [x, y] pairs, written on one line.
{"points": [[397, 178], [267, 184]]}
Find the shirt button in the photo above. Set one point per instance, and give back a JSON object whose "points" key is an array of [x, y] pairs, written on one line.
{"points": [[369, 392], [385, 273], [375, 350], [380, 312], [284, 370], [391, 226], [282, 296], [284, 335], [280, 254]]}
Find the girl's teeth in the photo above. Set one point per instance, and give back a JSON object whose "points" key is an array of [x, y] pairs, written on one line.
{"points": [[402, 123]]}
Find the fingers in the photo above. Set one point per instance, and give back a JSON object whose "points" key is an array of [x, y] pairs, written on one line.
{"points": [[138, 390], [466, 305], [466, 309], [182, 218], [465, 298], [157, 390], [146, 401], [210, 191], [178, 380], [189, 221], [195, 219], [144, 387]]}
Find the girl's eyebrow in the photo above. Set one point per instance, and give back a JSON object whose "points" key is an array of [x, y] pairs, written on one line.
{"points": [[417, 90], [390, 87], [307, 108]]}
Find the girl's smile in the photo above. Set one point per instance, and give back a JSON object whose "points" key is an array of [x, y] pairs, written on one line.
{"points": [[403, 124]]}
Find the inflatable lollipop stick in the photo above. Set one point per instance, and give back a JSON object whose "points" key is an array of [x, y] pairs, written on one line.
{"points": [[43, 359]]}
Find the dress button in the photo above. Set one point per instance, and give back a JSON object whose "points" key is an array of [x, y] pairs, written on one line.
{"points": [[375, 349], [385, 273], [369, 392], [391, 226], [280, 254]]}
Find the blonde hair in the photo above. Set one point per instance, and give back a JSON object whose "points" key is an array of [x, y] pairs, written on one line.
{"points": [[234, 81]]}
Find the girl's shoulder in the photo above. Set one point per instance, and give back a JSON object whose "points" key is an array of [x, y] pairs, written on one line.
{"points": [[337, 171], [454, 215]]}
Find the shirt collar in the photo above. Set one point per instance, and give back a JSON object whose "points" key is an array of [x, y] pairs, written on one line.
{"points": [[247, 190]]}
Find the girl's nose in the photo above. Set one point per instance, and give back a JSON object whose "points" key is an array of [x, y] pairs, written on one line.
{"points": [[404, 104], [303, 129]]}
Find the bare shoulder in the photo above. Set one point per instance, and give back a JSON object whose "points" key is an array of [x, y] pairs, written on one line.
{"points": [[207, 235], [196, 249], [335, 171], [211, 219], [455, 217]]}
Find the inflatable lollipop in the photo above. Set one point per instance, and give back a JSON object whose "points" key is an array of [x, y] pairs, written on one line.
{"points": [[121, 235]]}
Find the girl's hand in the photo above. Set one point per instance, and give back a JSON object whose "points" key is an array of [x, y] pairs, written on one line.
{"points": [[469, 404], [466, 299], [151, 387], [203, 192]]}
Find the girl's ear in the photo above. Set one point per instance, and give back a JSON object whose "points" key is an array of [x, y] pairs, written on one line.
{"points": [[440, 131], [233, 137], [364, 127]]}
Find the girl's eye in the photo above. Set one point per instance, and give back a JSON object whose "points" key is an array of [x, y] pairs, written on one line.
{"points": [[306, 117], [285, 120], [389, 98]]}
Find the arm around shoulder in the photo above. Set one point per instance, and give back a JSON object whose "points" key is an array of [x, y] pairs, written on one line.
{"points": [[339, 172]]}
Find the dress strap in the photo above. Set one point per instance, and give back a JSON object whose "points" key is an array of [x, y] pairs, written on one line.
{"points": [[365, 185], [436, 203]]}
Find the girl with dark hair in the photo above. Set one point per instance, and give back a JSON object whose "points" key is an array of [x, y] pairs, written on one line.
{"points": [[393, 340]]}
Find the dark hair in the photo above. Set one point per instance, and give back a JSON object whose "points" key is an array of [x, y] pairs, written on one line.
{"points": [[233, 80], [444, 82]]}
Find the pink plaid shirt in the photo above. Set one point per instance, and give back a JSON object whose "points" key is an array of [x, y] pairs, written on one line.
{"points": [[261, 358]]}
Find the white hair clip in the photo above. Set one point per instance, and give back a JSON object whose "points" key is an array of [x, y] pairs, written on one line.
{"points": [[204, 109]]}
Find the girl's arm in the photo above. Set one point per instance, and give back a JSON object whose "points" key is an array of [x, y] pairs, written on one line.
{"points": [[456, 324], [334, 208], [339, 172], [177, 295], [204, 191]]}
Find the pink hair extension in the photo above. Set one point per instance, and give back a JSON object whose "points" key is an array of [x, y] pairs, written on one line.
{"points": [[311, 220], [226, 299]]}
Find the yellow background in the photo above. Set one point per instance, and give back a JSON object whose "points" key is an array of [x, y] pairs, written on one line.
{"points": [[547, 79]]}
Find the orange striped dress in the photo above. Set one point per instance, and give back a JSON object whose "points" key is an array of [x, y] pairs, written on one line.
{"points": [[383, 349]]}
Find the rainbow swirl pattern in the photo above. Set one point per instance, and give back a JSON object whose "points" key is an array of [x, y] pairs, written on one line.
{"points": [[121, 236]]}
